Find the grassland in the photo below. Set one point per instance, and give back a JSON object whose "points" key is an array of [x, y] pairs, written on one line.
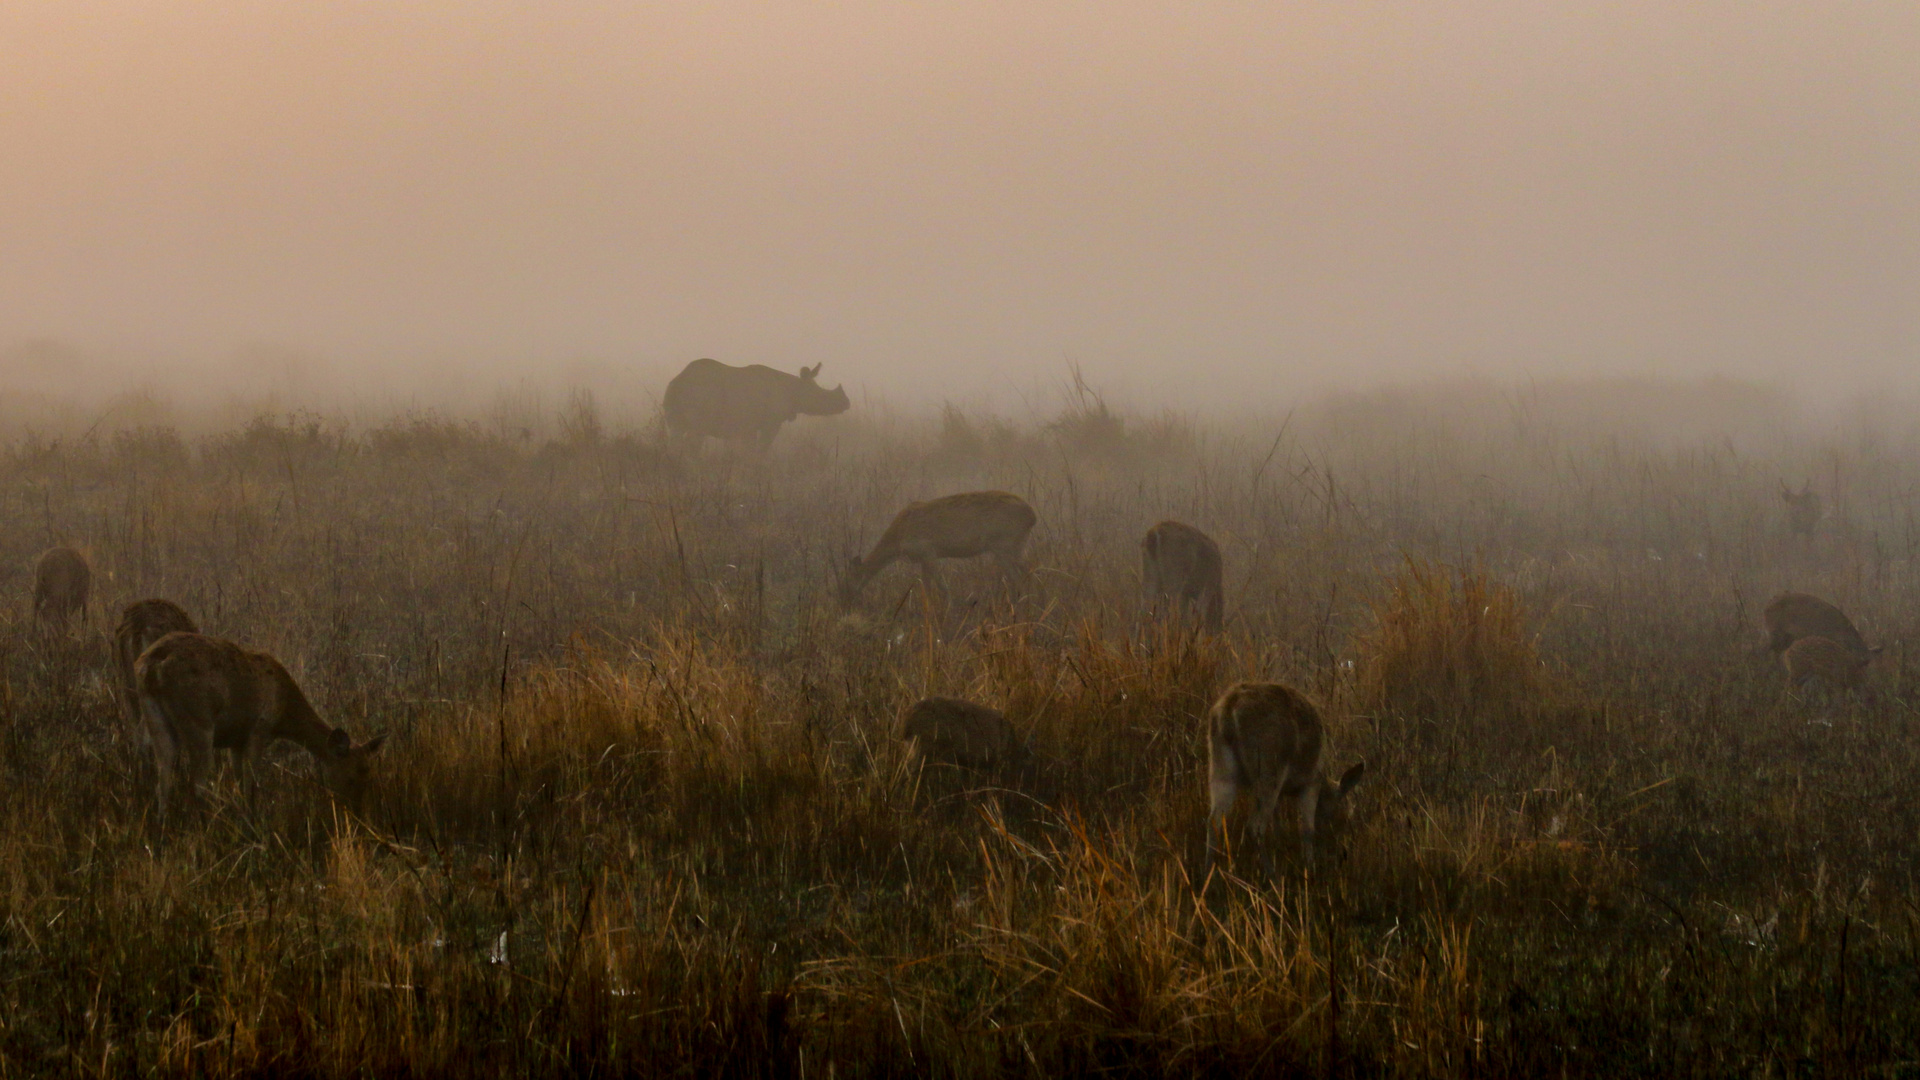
{"points": [[644, 810]]}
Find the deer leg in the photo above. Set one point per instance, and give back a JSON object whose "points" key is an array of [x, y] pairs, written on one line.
{"points": [[141, 731], [193, 755], [930, 582], [246, 764], [1260, 822], [1012, 571], [1309, 801], [166, 770], [1222, 790], [165, 757]]}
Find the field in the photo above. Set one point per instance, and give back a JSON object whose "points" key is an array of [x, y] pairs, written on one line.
{"points": [[644, 808]]}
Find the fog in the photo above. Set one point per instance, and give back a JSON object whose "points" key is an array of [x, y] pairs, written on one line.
{"points": [[1204, 205]]}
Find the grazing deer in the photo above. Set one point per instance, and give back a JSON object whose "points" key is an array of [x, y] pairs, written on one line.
{"points": [[143, 623], [61, 583], [954, 527], [1839, 667], [1792, 616], [956, 732], [200, 693], [1264, 741], [1803, 510], [1180, 568]]}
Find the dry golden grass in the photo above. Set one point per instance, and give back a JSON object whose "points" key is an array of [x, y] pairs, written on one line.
{"points": [[1449, 645]]}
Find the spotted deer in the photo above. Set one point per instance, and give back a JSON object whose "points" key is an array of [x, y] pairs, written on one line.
{"points": [[961, 526], [1803, 509], [955, 732], [199, 694], [1180, 573], [62, 581], [141, 624], [1792, 616], [1264, 742]]}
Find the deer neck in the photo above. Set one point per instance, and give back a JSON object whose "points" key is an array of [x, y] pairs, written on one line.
{"points": [[294, 718]]}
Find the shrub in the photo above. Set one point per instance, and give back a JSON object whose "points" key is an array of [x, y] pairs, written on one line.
{"points": [[958, 437], [1449, 644], [1086, 426]]}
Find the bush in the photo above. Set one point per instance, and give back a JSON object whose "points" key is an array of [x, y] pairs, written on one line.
{"points": [[1447, 645]]}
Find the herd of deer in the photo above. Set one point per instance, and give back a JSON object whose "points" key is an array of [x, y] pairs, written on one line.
{"points": [[191, 694]]}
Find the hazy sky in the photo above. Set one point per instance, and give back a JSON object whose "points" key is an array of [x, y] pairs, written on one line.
{"points": [[1207, 200]]}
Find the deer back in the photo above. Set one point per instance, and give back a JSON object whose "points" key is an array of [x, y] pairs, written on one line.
{"points": [[1792, 616], [961, 526], [959, 732], [1267, 734], [199, 687]]}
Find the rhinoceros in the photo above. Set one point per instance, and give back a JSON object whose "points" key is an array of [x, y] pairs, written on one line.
{"points": [[743, 404]]}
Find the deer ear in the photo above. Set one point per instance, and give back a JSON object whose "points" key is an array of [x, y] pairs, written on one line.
{"points": [[374, 744], [339, 742], [1352, 776]]}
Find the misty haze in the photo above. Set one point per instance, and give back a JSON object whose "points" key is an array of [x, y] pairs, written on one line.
{"points": [[1015, 539]]}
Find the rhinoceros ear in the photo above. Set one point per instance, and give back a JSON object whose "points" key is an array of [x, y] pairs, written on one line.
{"points": [[810, 373]]}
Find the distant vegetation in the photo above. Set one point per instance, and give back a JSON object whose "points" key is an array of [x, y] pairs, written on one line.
{"points": [[644, 805]]}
